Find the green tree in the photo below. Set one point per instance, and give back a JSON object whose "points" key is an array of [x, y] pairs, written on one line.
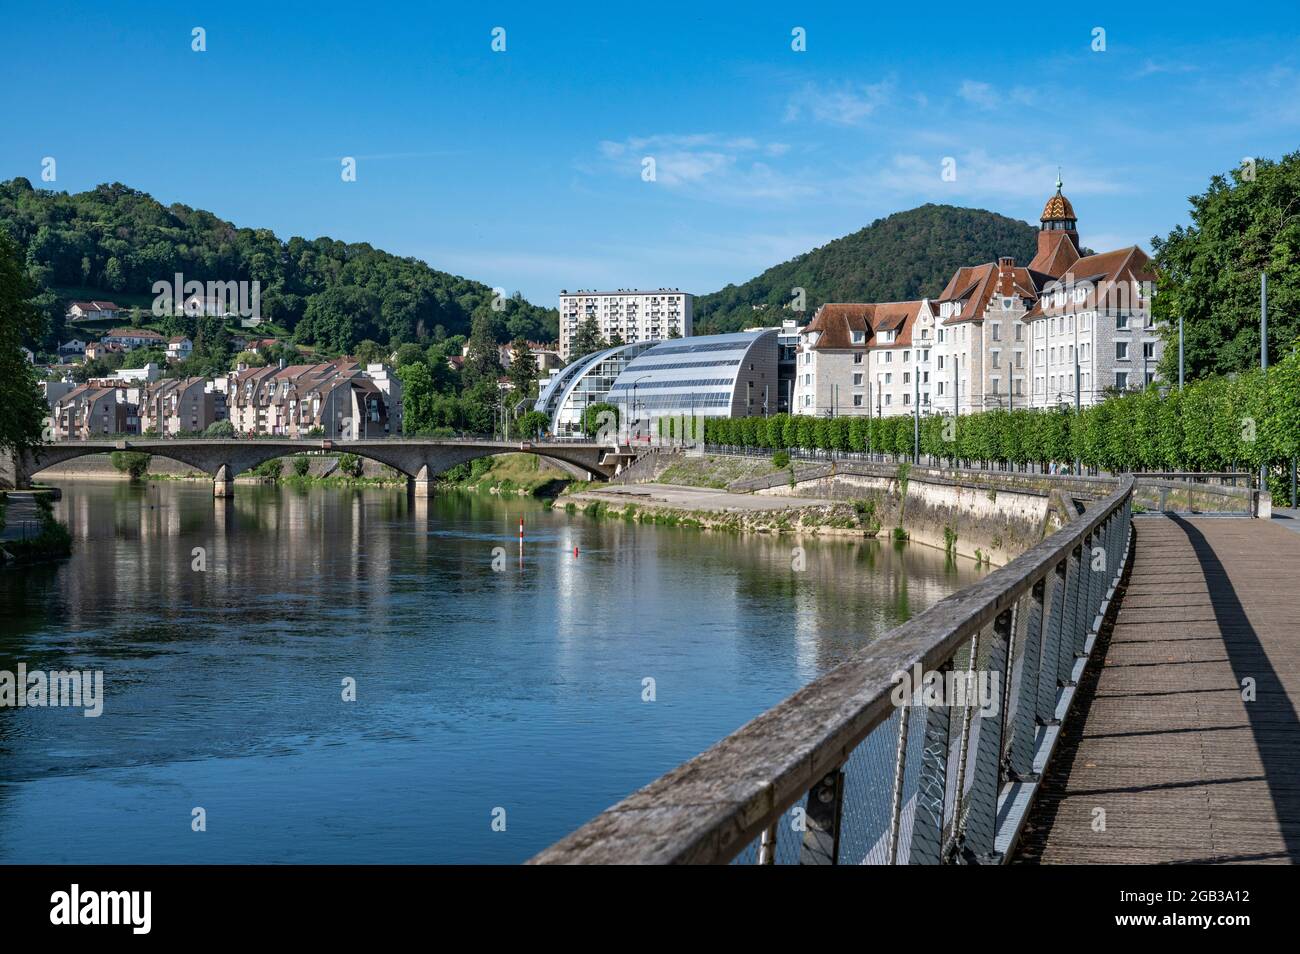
{"points": [[22, 410], [1208, 272], [587, 340], [523, 369]]}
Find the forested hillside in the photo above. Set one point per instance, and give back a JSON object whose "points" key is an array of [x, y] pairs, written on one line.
{"points": [[907, 255], [330, 294]]}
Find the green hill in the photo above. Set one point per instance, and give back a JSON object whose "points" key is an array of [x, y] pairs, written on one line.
{"points": [[328, 293], [905, 256]]}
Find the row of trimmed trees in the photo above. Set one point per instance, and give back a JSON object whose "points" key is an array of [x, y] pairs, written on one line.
{"points": [[1241, 421]]}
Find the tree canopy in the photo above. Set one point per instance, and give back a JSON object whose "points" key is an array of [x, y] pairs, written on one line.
{"points": [[328, 293], [1209, 272], [905, 256]]}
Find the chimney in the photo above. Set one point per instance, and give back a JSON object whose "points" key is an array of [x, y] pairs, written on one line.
{"points": [[1006, 275]]}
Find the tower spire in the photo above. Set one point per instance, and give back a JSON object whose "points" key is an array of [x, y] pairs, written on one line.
{"points": [[1058, 179]]}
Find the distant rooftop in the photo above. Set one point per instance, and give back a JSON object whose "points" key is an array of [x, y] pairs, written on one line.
{"points": [[628, 291]]}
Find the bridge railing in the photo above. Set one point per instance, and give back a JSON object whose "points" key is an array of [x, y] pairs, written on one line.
{"points": [[926, 746]]}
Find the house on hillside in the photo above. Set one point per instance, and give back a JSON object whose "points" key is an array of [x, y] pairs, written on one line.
{"points": [[92, 311]]}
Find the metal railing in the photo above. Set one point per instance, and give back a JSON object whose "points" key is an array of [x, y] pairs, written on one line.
{"points": [[856, 767]]}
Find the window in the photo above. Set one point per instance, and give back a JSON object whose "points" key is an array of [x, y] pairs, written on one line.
{"points": [[907, 356], [1020, 359], [857, 400], [859, 337], [857, 380], [1149, 350], [857, 358], [1020, 332], [997, 359], [1121, 321], [889, 399], [889, 378], [1121, 380], [907, 399], [1121, 350], [939, 363], [907, 377], [995, 387], [888, 356]]}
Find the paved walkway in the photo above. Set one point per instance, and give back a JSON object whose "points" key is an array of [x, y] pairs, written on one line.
{"points": [[22, 518], [1183, 768], [696, 498]]}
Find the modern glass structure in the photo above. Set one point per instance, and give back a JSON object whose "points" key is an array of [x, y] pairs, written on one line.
{"points": [[584, 382], [732, 375]]}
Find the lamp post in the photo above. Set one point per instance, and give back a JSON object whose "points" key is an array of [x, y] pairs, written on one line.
{"points": [[635, 419], [1263, 354], [916, 416], [1180, 352]]}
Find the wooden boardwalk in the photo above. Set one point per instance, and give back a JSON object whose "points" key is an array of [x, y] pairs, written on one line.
{"points": [[1161, 739]]}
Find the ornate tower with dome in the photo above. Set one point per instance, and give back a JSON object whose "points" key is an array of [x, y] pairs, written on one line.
{"points": [[1058, 236]]}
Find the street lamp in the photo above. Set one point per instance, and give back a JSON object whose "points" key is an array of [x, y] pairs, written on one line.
{"points": [[635, 420]]}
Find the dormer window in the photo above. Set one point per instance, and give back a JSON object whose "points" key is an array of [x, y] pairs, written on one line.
{"points": [[859, 337]]}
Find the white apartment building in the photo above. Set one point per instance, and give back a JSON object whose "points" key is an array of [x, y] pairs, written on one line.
{"points": [[631, 315], [832, 373], [1000, 335], [1099, 313]]}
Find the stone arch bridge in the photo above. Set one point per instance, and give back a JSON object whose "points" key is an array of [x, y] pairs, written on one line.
{"points": [[421, 459]]}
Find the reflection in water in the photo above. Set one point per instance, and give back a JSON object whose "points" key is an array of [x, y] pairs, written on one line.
{"points": [[519, 689]]}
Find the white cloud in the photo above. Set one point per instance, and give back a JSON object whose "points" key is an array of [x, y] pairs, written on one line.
{"points": [[982, 177], [708, 166], [840, 104], [985, 96]]}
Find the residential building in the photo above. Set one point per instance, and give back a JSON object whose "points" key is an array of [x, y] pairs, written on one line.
{"points": [[179, 348], [338, 399], [181, 405], [999, 335], [90, 411], [52, 389], [75, 347], [131, 338], [832, 370], [100, 349], [92, 311], [631, 315]]}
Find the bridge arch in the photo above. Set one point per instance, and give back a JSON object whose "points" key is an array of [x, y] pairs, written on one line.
{"points": [[420, 459]]}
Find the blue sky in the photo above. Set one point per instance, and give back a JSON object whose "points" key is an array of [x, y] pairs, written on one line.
{"points": [[523, 169]]}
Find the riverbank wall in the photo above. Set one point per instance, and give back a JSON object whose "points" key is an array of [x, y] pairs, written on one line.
{"points": [[992, 516]]}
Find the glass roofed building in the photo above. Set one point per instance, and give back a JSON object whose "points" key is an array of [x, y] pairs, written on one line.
{"points": [[583, 383], [732, 375]]}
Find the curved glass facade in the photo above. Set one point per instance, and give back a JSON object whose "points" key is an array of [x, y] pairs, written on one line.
{"points": [[585, 382], [733, 375]]}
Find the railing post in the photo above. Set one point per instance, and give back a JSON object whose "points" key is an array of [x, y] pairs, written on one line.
{"points": [[1021, 762], [1083, 618], [980, 829], [767, 844], [900, 776], [823, 810], [1051, 678], [1065, 657], [963, 744], [932, 785]]}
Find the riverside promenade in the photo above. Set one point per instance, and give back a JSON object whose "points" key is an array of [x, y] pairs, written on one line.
{"points": [[1186, 747]]}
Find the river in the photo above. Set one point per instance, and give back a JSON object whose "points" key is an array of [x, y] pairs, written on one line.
{"points": [[228, 633]]}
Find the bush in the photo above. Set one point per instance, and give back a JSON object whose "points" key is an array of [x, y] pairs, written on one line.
{"points": [[350, 465], [131, 462], [219, 429], [781, 459], [271, 469], [301, 464]]}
